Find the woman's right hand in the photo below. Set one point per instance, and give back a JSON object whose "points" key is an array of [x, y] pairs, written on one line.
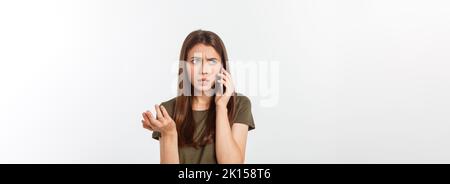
{"points": [[163, 123]]}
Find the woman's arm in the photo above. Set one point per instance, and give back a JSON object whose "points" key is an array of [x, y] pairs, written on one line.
{"points": [[168, 149], [168, 142], [230, 141]]}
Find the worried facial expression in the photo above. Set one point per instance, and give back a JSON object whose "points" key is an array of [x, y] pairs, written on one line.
{"points": [[204, 63]]}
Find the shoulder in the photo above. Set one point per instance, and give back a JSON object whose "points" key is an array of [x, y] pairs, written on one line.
{"points": [[242, 101], [170, 105], [243, 111], [170, 102]]}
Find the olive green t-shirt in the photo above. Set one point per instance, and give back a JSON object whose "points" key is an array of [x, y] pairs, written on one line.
{"points": [[206, 154]]}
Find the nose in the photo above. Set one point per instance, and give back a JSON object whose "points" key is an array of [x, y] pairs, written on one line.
{"points": [[206, 69]]}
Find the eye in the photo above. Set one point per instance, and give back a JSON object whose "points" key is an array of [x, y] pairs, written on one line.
{"points": [[213, 61], [196, 60]]}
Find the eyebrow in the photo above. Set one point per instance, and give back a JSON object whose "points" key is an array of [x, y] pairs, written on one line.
{"points": [[213, 58], [193, 57]]}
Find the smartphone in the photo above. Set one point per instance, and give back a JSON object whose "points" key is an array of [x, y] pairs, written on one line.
{"points": [[219, 87]]}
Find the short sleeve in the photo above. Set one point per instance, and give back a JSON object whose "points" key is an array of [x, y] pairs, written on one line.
{"points": [[244, 112], [156, 135], [169, 105]]}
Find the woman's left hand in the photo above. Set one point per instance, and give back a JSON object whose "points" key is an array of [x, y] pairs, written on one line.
{"points": [[225, 79]]}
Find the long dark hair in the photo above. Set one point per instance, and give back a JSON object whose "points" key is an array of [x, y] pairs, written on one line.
{"points": [[183, 104]]}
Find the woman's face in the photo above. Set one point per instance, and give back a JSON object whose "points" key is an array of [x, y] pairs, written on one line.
{"points": [[204, 63]]}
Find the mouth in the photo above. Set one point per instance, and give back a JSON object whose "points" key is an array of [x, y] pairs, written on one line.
{"points": [[203, 82]]}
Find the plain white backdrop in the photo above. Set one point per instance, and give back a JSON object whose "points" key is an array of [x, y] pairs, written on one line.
{"points": [[357, 81]]}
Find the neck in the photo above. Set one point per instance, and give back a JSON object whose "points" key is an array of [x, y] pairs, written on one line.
{"points": [[201, 102]]}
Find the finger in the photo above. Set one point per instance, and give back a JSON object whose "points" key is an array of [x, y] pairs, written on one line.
{"points": [[226, 73], [146, 125], [228, 81], [222, 76], [145, 122], [221, 82], [159, 115], [164, 111], [224, 82], [228, 86], [147, 116], [147, 119], [226, 77], [154, 123]]}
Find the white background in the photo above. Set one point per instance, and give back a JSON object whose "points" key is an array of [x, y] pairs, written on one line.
{"points": [[359, 81]]}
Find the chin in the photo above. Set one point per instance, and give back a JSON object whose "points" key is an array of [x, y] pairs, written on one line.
{"points": [[204, 89]]}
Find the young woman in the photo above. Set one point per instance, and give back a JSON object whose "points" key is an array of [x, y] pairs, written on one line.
{"points": [[208, 121]]}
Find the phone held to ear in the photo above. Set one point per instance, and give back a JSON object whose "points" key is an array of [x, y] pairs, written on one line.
{"points": [[219, 88]]}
